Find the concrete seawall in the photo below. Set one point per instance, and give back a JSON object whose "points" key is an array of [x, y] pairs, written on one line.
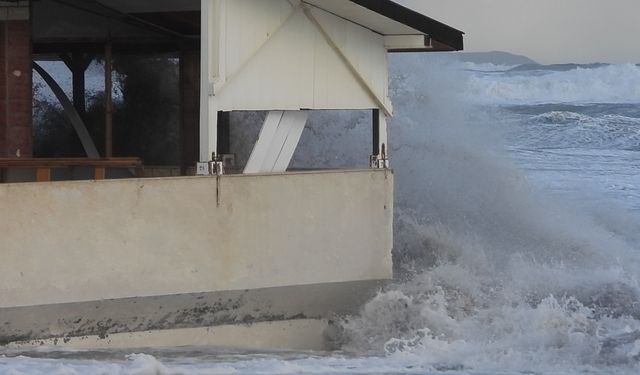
{"points": [[83, 243]]}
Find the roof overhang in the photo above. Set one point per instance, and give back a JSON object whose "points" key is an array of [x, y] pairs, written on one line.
{"points": [[62, 24], [385, 17], [389, 18]]}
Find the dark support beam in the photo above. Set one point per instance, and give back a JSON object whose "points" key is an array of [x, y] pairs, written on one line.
{"points": [[375, 130], [189, 108], [224, 133], [78, 63], [120, 45], [78, 83], [108, 105]]}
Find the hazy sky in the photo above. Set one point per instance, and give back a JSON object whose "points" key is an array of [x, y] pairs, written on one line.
{"points": [[548, 31]]}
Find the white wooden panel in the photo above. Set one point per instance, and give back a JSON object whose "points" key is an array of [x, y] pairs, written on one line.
{"points": [[277, 77], [293, 67], [364, 49], [250, 24]]}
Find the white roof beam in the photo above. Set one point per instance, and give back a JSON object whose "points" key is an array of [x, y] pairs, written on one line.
{"points": [[407, 42]]}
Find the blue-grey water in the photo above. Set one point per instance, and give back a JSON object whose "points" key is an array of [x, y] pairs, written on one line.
{"points": [[517, 232]]}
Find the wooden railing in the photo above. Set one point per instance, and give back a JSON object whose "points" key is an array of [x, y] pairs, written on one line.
{"points": [[43, 166]]}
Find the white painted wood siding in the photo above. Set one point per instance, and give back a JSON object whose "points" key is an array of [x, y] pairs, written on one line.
{"points": [[271, 55]]}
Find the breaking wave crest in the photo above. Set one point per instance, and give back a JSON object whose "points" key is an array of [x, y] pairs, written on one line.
{"points": [[561, 117], [567, 129], [604, 84], [567, 117]]}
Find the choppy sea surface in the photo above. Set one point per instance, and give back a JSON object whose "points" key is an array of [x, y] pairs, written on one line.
{"points": [[517, 232]]}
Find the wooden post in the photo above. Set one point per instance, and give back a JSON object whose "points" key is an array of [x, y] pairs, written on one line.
{"points": [[108, 105], [43, 174], [99, 173]]}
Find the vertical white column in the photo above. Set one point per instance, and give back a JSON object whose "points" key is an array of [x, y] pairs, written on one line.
{"points": [[211, 51]]}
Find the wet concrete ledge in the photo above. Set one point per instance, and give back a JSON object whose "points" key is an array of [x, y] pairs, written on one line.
{"points": [[193, 310]]}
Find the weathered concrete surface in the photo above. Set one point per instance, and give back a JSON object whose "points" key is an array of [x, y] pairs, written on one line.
{"points": [[301, 334], [87, 241], [189, 310]]}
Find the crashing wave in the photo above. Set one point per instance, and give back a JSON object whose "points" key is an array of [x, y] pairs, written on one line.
{"points": [[496, 277], [603, 84]]}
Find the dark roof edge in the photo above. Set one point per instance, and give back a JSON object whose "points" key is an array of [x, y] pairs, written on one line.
{"points": [[435, 29]]}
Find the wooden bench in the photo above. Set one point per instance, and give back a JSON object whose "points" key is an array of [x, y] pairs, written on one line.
{"points": [[43, 166]]}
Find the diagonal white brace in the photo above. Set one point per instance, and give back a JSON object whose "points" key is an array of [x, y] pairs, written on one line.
{"points": [[277, 141], [260, 150], [286, 140]]}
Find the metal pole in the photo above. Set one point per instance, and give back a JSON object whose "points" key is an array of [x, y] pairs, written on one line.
{"points": [[108, 105], [376, 131]]}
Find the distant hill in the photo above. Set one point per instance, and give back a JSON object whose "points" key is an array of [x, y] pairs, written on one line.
{"points": [[494, 57]]}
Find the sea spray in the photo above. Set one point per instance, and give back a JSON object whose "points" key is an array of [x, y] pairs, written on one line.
{"points": [[493, 275]]}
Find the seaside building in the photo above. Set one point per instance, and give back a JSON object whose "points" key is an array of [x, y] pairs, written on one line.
{"points": [[252, 255]]}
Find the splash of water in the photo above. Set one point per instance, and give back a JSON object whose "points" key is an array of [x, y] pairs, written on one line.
{"points": [[494, 276]]}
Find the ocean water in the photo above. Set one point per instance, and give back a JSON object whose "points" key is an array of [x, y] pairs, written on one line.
{"points": [[517, 232]]}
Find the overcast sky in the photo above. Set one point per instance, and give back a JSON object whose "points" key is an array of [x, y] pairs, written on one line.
{"points": [[548, 31]]}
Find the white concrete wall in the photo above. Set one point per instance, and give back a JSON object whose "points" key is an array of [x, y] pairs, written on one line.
{"points": [[91, 240]]}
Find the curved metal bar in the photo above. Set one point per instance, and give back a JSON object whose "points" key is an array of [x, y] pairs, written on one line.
{"points": [[73, 116]]}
